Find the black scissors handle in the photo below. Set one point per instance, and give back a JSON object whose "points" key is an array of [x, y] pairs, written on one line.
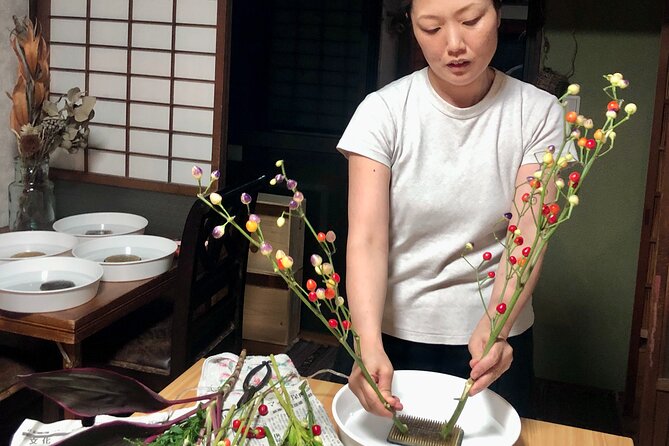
{"points": [[249, 389]]}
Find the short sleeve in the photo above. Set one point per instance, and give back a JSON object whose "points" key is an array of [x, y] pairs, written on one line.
{"points": [[547, 128], [371, 132]]}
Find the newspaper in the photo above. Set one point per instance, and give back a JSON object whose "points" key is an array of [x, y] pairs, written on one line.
{"points": [[215, 371]]}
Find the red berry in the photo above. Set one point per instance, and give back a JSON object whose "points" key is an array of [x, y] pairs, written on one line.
{"points": [[613, 105], [260, 432], [313, 297], [590, 144], [236, 423], [526, 251], [316, 429], [487, 256], [336, 277], [519, 240], [554, 208], [552, 219], [345, 324], [501, 308], [333, 323], [321, 236], [545, 210], [512, 260], [311, 284], [263, 410], [534, 183], [250, 433], [491, 274], [330, 293], [512, 228], [526, 197], [575, 177]]}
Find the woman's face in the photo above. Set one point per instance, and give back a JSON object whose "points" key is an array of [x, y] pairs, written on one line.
{"points": [[458, 38]]}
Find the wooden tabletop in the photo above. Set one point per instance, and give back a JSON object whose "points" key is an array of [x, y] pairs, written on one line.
{"points": [[112, 301], [533, 432]]}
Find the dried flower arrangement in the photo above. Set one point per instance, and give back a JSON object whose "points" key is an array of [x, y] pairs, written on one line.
{"points": [[39, 124]]}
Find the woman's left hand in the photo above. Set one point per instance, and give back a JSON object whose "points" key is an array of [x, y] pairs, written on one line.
{"points": [[486, 370]]}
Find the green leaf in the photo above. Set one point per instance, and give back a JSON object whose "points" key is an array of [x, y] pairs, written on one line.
{"points": [[74, 94], [49, 108], [83, 112]]}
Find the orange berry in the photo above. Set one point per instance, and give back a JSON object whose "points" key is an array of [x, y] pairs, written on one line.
{"points": [[251, 226], [582, 141], [571, 116]]}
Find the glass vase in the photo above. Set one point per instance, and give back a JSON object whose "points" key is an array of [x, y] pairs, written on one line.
{"points": [[31, 199]]}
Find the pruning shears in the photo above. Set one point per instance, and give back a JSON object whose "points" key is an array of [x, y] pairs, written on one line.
{"points": [[251, 389]]}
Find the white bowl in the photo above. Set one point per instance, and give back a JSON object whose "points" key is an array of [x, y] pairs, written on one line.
{"points": [[21, 283], [22, 245], [487, 418], [155, 255], [101, 224]]}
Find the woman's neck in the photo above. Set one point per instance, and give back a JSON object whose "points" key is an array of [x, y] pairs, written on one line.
{"points": [[463, 96]]}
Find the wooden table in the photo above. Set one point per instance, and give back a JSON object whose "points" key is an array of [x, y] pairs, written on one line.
{"points": [[533, 432], [68, 328]]}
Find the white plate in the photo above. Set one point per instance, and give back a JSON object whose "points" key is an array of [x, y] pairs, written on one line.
{"points": [[487, 418], [101, 224], [22, 245], [20, 284], [156, 255]]}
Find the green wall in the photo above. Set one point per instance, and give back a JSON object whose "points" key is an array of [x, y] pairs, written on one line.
{"points": [[584, 299]]}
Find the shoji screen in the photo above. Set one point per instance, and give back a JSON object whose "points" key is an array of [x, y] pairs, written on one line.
{"points": [[158, 69]]}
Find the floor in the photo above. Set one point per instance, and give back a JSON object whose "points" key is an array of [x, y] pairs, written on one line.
{"points": [[562, 403]]}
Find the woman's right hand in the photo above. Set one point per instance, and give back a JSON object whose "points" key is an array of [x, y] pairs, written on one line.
{"points": [[381, 370]]}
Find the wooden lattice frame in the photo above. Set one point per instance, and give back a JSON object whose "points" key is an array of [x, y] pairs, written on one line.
{"points": [[219, 109]]}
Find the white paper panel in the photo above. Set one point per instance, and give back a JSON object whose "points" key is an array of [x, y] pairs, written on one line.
{"points": [[151, 62], [201, 12], [150, 116], [190, 38], [105, 9], [109, 33], [148, 168], [107, 85], [181, 172], [194, 93], [195, 66], [152, 10], [153, 143], [191, 120], [73, 8], [68, 56], [62, 81], [62, 159], [108, 59], [193, 147], [106, 163], [150, 89], [68, 30], [109, 112], [151, 36], [110, 138]]}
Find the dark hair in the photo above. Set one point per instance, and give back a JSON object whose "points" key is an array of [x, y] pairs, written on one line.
{"points": [[407, 5]]}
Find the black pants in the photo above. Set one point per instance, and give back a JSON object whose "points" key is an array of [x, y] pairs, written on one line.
{"points": [[515, 385]]}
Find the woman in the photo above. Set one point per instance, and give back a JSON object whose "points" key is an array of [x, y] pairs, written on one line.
{"points": [[434, 160]]}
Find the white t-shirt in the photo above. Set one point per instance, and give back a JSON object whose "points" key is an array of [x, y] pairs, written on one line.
{"points": [[453, 173]]}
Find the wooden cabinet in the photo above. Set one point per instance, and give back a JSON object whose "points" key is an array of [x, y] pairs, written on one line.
{"points": [[271, 310], [647, 387]]}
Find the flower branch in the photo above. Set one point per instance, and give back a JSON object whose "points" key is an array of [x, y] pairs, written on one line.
{"points": [[548, 216], [323, 299]]}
